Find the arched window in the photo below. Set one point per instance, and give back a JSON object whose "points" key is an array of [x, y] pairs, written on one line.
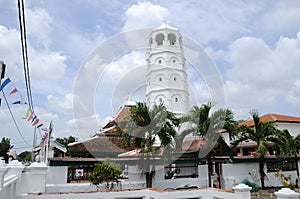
{"points": [[159, 61], [174, 79], [160, 79], [172, 38], [159, 39], [176, 99]]}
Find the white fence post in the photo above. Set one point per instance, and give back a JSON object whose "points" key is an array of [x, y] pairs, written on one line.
{"points": [[3, 171], [242, 191], [286, 193]]}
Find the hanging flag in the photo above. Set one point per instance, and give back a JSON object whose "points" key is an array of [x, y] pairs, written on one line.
{"points": [[44, 129], [20, 102], [6, 81], [35, 122], [13, 91], [30, 116], [40, 125], [27, 113], [34, 118], [43, 139]]}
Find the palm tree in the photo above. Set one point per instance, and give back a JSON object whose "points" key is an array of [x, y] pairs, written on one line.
{"points": [[197, 121], [262, 134], [144, 126], [207, 125], [287, 145]]}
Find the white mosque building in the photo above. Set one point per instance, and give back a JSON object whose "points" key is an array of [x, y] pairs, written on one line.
{"points": [[166, 74]]}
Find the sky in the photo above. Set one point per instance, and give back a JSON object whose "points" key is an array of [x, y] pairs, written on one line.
{"points": [[254, 47]]}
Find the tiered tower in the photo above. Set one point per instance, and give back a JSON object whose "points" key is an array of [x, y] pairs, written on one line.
{"points": [[166, 71]]}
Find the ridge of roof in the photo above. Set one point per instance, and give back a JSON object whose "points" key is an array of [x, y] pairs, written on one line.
{"points": [[272, 117]]}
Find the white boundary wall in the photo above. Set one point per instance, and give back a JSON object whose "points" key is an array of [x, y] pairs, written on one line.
{"points": [[235, 173], [242, 192]]}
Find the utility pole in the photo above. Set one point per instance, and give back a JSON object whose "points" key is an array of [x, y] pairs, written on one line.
{"points": [[2, 73], [33, 145]]}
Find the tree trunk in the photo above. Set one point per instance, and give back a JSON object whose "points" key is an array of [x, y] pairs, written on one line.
{"points": [[209, 165], [148, 179], [297, 168], [149, 173], [261, 171]]}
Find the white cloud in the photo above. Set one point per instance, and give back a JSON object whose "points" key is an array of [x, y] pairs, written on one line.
{"points": [[39, 26], [213, 21], [260, 76], [86, 126], [284, 16], [10, 51], [144, 14], [47, 65], [64, 104], [293, 96]]}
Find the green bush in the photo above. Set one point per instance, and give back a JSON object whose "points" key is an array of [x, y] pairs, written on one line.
{"points": [[105, 172]]}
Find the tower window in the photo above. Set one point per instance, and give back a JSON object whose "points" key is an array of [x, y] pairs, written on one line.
{"points": [[159, 61], [176, 99], [174, 79], [159, 39], [160, 100], [174, 61], [172, 38], [160, 79]]}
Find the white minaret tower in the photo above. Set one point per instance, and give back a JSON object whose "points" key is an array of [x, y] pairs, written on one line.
{"points": [[166, 71]]}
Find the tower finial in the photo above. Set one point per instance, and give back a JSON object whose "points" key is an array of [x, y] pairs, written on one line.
{"points": [[164, 23], [128, 97]]}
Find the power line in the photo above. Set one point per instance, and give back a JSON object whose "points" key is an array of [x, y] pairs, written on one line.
{"points": [[15, 122], [20, 142], [24, 52]]}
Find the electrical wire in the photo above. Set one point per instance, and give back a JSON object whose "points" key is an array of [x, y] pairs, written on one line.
{"points": [[19, 142], [15, 122], [24, 52]]}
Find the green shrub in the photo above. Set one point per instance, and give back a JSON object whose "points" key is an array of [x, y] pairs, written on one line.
{"points": [[105, 172]]}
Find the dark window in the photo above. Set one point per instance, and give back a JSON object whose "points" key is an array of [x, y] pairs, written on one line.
{"points": [[281, 166]]}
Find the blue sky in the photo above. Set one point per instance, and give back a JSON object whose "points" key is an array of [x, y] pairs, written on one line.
{"points": [[255, 45]]}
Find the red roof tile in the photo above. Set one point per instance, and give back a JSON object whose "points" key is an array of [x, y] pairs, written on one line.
{"points": [[273, 118]]}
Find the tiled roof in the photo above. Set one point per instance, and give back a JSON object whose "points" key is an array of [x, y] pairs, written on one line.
{"points": [[99, 144], [121, 116], [193, 144], [273, 118]]}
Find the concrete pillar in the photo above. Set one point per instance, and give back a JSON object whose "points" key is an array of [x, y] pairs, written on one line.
{"points": [[3, 171], [38, 172], [34, 179], [15, 168], [286, 193], [242, 191]]}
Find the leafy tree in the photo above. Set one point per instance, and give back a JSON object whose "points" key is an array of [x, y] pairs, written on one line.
{"points": [[65, 141], [105, 172], [262, 134], [25, 156], [287, 145], [5, 146], [144, 126]]}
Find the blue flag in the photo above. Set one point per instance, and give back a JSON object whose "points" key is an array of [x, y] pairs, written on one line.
{"points": [[4, 83]]}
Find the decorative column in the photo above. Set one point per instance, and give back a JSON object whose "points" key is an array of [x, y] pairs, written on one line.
{"points": [[286, 193], [242, 191]]}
